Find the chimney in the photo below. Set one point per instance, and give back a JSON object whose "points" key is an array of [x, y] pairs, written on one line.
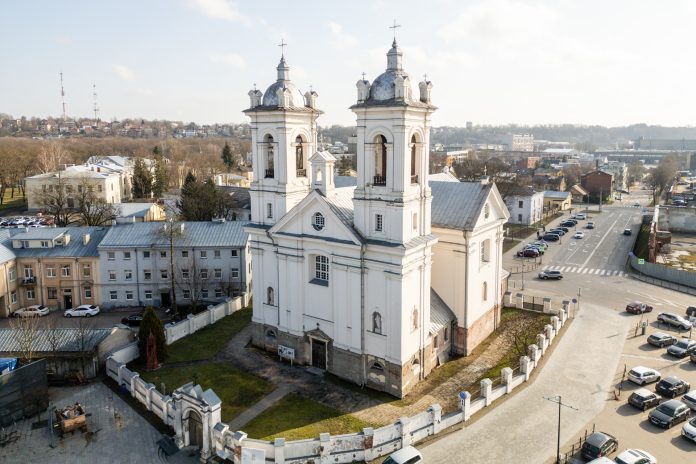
{"points": [[182, 227], [85, 239], [484, 180]]}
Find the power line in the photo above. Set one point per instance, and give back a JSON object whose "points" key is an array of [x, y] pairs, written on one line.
{"points": [[558, 400]]}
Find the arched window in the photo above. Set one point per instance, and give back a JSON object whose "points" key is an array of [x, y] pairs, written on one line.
{"points": [[269, 161], [270, 296], [270, 335], [414, 175], [299, 157], [414, 319], [380, 160], [484, 291], [377, 322], [486, 250]]}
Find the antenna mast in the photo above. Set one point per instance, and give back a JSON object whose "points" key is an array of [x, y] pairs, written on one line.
{"points": [[96, 108], [62, 95]]}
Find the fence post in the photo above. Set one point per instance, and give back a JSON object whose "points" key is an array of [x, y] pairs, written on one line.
{"points": [[436, 414], [506, 378], [541, 343], [405, 431], [535, 354], [520, 301], [549, 333], [507, 299], [368, 442], [556, 323], [526, 367], [325, 448], [465, 405], [547, 304], [487, 391]]}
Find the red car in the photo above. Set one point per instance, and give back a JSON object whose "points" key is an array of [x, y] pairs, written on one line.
{"points": [[528, 253], [638, 308]]}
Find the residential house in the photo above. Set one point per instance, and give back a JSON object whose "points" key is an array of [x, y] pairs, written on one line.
{"points": [[139, 212], [556, 201], [548, 182], [526, 206], [578, 194]]}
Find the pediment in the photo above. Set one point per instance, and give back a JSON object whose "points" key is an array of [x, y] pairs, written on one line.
{"points": [[494, 207]]}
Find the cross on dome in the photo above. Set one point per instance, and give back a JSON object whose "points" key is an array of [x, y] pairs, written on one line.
{"points": [[394, 28], [282, 46]]}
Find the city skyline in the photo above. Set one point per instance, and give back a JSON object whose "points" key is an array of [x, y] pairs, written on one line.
{"points": [[491, 62]]}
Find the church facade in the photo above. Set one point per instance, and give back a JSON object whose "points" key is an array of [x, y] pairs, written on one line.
{"points": [[342, 266]]}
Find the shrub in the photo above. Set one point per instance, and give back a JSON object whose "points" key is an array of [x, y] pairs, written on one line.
{"points": [[152, 324]]}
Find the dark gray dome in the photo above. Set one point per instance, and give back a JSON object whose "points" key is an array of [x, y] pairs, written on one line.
{"points": [[383, 86], [270, 97]]}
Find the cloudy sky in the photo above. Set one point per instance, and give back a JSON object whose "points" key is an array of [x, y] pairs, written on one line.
{"points": [[611, 62]]}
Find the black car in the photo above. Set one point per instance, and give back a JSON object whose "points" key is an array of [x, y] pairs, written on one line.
{"points": [[133, 320], [560, 232], [660, 339], [627, 232], [691, 311], [672, 386], [599, 444], [564, 228], [551, 237], [569, 223], [644, 399], [682, 348], [669, 413]]}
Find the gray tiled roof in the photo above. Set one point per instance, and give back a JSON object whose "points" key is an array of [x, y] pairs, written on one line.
{"points": [[74, 249], [556, 194], [341, 202], [39, 233], [440, 314], [62, 339], [457, 205], [6, 253], [133, 209], [204, 234]]}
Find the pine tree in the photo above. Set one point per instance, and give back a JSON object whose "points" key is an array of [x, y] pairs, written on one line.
{"points": [[161, 177], [227, 156], [142, 179], [152, 323]]}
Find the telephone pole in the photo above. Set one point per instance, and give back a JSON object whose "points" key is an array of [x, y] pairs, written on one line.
{"points": [[557, 399]]}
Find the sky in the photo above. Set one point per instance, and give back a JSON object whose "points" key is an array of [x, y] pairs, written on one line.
{"points": [[608, 62]]}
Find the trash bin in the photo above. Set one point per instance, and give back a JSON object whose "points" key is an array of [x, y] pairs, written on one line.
{"points": [[643, 327]]}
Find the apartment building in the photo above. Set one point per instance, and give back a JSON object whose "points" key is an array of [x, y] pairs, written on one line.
{"points": [[9, 301], [203, 261]]}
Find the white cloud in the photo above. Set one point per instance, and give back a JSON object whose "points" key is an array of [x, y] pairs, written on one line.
{"points": [[123, 72], [340, 39], [231, 59], [219, 9]]}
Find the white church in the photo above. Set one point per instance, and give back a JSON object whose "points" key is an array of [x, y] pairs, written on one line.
{"points": [[380, 278]]}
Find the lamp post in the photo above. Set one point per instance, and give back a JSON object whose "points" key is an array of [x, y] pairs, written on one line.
{"points": [[557, 399]]}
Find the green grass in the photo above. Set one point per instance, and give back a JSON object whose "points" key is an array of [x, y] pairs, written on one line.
{"points": [[295, 417], [15, 203], [205, 343], [237, 390]]}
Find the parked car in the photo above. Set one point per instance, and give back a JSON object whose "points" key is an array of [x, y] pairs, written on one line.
{"points": [[589, 225], [406, 455], [642, 375], [602, 460], [660, 339], [82, 311], [689, 399], [559, 231], [627, 232], [644, 399], [541, 242], [691, 311], [675, 320], [579, 234], [545, 275], [569, 223], [672, 386], [581, 216], [682, 348], [669, 413], [563, 228], [540, 248], [637, 307], [550, 237], [636, 205], [32, 311], [635, 456], [599, 444], [689, 430], [133, 320], [528, 253]]}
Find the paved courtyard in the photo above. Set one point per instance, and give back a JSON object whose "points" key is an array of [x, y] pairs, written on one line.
{"points": [[117, 434]]}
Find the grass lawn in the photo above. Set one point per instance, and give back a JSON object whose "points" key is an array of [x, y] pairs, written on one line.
{"points": [[10, 204], [237, 390], [205, 343], [295, 417]]}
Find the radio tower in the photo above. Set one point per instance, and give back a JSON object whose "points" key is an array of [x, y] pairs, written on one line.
{"points": [[62, 95], [96, 108]]}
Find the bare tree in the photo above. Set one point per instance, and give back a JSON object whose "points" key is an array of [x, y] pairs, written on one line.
{"points": [[53, 337], [196, 280], [92, 209], [172, 230], [57, 200], [26, 333], [85, 336], [51, 157]]}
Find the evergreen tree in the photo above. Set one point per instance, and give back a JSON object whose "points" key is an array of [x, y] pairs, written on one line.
{"points": [[156, 152], [202, 201], [227, 156], [142, 179], [152, 324], [161, 177]]}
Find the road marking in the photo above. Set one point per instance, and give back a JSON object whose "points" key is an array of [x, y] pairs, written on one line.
{"points": [[603, 272], [611, 228]]}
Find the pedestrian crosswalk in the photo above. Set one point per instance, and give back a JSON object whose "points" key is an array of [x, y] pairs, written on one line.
{"points": [[588, 271]]}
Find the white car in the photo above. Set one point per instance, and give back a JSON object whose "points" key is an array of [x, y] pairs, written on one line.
{"points": [[581, 216], [674, 320], [82, 311], [579, 234], [635, 456], [689, 399], [31, 311], [406, 455], [642, 375], [689, 430]]}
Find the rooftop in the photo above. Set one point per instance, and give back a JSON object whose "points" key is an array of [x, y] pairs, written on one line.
{"points": [[196, 234], [556, 194], [456, 205], [74, 249], [62, 340]]}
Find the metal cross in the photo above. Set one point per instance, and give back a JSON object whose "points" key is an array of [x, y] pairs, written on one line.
{"points": [[282, 46], [254, 85], [425, 77], [311, 89], [394, 27], [363, 74]]}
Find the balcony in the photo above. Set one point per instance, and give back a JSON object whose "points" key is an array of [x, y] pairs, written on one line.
{"points": [[379, 180], [414, 179], [301, 173], [270, 174], [29, 281]]}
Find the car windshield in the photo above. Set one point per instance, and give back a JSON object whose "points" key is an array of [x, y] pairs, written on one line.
{"points": [[590, 447], [666, 409], [682, 344]]}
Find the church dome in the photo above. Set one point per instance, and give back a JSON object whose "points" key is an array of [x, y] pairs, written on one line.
{"points": [[270, 97], [383, 88]]}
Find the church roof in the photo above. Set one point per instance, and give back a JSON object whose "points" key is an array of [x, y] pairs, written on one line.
{"points": [[341, 203], [440, 314], [457, 205]]}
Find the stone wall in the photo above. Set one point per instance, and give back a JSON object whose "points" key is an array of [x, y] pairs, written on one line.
{"points": [[193, 323]]}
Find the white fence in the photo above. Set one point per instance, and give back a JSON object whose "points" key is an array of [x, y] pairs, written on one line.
{"points": [[211, 315], [362, 446]]}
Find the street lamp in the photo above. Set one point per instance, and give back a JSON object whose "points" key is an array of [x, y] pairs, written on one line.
{"points": [[557, 399]]}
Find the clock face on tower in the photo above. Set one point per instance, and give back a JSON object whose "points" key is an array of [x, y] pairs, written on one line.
{"points": [[318, 221]]}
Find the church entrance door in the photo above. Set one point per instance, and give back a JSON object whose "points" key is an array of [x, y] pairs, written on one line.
{"points": [[319, 354]]}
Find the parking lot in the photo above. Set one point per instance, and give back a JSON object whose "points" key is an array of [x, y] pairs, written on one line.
{"points": [[105, 319], [630, 425]]}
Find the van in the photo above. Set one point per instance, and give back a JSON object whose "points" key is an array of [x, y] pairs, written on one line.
{"points": [[406, 455]]}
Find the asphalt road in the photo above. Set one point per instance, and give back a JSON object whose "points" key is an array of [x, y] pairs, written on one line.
{"points": [[105, 319]]}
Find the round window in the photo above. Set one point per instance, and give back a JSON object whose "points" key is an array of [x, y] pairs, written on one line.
{"points": [[318, 221]]}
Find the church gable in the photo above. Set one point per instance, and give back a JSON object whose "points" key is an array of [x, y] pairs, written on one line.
{"points": [[315, 218], [492, 209]]}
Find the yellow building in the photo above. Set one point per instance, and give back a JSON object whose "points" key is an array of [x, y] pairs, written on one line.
{"points": [[558, 201]]}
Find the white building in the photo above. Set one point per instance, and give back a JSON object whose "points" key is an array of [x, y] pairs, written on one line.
{"points": [[210, 262], [620, 172], [525, 206], [519, 142], [343, 274]]}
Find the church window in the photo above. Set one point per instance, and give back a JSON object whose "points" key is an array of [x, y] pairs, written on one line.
{"points": [[484, 291], [321, 268], [269, 210], [269, 162], [414, 319], [270, 296], [519, 218], [415, 221], [435, 342], [299, 158], [414, 156], [318, 221], [377, 322], [379, 222], [486, 251], [380, 144]]}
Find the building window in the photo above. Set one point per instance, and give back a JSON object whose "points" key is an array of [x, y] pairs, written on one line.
{"points": [[235, 273], [520, 204], [147, 274], [415, 221], [184, 253], [414, 177], [86, 270], [184, 273], [163, 254], [436, 342], [111, 255], [146, 254], [25, 243], [414, 319], [13, 298], [269, 210], [486, 251], [113, 294], [148, 294], [204, 293], [50, 271], [28, 272], [519, 218], [112, 275], [218, 273], [52, 293], [218, 293], [163, 273], [446, 334], [216, 254], [12, 274], [128, 274], [299, 157], [187, 294], [321, 268], [65, 270], [129, 294], [270, 296], [44, 243], [126, 255], [379, 222], [484, 291], [380, 144], [204, 273], [377, 322], [235, 253], [318, 221], [30, 294], [88, 292]]}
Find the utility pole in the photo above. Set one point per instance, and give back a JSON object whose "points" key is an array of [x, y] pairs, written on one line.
{"points": [[557, 399]]}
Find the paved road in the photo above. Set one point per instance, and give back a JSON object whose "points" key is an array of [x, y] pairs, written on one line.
{"points": [[105, 319], [583, 365]]}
